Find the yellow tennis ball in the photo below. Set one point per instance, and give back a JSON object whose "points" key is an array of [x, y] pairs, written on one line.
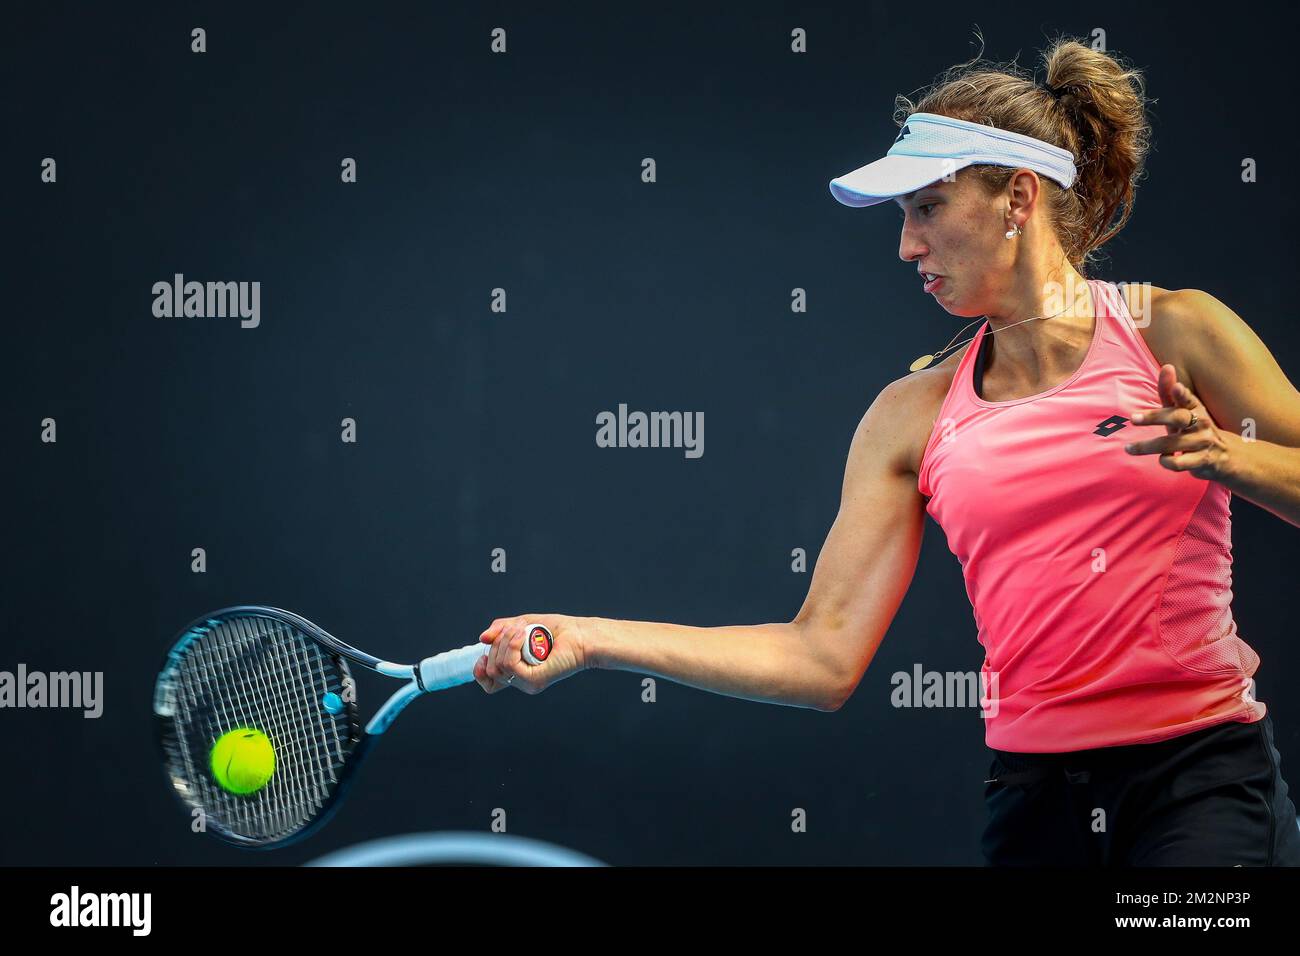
{"points": [[243, 760]]}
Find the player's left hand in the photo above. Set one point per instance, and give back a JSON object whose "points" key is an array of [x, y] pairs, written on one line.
{"points": [[1192, 442]]}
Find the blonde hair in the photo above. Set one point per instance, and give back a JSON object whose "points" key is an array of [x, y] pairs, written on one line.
{"points": [[1098, 114]]}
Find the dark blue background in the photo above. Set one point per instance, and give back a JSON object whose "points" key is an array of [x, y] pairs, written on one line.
{"points": [[476, 429]]}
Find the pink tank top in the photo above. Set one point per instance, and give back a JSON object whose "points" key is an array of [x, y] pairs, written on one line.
{"points": [[1101, 582]]}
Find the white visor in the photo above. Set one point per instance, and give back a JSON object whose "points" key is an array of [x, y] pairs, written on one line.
{"points": [[930, 147]]}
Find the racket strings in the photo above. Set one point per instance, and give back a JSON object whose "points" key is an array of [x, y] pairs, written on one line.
{"points": [[272, 698], [256, 698], [258, 672], [219, 698]]}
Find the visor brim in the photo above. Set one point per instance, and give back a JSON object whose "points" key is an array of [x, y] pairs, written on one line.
{"points": [[892, 176]]}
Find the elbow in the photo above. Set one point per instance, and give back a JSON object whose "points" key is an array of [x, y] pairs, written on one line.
{"points": [[828, 682], [831, 704], [835, 694]]}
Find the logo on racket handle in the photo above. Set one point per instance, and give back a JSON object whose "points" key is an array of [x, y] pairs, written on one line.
{"points": [[537, 644]]}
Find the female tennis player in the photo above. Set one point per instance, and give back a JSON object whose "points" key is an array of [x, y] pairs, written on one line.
{"points": [[1079, 456]]}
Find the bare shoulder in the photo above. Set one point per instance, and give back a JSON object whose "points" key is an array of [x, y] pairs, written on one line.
{"points": [[906, 410], [1142, 300], [1156, 312]]}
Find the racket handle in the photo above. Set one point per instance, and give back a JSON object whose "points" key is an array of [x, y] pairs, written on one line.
{"points": [[451, 668]]}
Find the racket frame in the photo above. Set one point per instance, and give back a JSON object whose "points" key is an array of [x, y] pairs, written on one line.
{"points": [[358, 746]]}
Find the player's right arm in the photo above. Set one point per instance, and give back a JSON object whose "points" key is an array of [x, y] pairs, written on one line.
{"points": [[815, 660]]}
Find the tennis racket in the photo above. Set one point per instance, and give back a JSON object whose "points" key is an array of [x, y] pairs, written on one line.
{"points": [[270, 670]]}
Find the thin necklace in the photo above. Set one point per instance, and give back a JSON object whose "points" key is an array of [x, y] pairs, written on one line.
{"points": [[925, 360]]}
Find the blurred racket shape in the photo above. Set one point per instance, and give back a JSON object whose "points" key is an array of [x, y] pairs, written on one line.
{"points": [[455, 848], [274, 676]]}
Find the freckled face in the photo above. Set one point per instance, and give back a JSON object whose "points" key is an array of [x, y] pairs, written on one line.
{"points": [[951, 229]]}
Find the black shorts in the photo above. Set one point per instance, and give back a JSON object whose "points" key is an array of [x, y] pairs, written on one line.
{"points": [[1214, 797]]}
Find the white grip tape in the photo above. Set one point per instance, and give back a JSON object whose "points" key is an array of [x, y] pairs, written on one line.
{"points": [[451, 668]]}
